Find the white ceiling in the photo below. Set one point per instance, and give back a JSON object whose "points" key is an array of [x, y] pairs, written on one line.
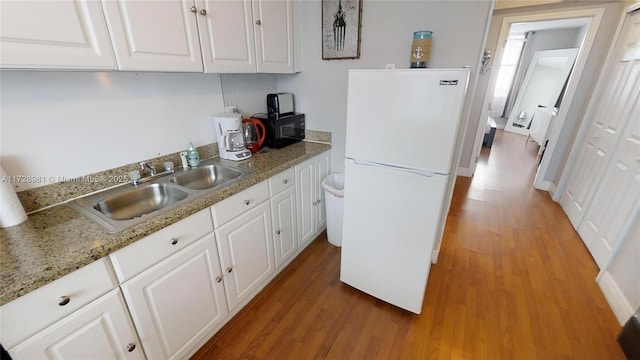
{"points": [[521, 28]]}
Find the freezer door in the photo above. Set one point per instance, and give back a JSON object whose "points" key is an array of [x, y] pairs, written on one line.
{"points": [[390, 223], [405, 117]]}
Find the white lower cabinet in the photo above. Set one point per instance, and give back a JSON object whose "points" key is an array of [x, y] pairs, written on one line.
{"points": [[283, 212], [312, 217], [181, 284], [246, 254], [100, 330], [178, 302]]}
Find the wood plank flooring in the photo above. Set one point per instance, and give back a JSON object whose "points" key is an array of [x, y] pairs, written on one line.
{"points": [[513, 281]]}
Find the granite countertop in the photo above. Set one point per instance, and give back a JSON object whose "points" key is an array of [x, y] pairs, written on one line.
{"points": [[55, 242]]}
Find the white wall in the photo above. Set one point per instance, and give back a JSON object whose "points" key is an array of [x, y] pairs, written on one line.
{"points": [[248, 91], [387, 28], [75, 123]]}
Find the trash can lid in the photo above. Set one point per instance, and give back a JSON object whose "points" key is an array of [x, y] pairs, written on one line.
{"points": [[334, 183]]}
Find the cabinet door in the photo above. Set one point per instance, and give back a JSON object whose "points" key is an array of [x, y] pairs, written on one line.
{"points": [[306, 193], [226, 35], [179, 301], [246, 253], [283, 211], [100, 330], [274, 35], [154, 35], [55, 35], [323, 162]]}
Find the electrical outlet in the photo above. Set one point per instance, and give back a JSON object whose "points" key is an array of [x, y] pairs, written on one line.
{"points": [[391, 66], [231, 109]]}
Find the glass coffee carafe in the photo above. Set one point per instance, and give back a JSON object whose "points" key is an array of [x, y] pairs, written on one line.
{"points": [[234, 140]]}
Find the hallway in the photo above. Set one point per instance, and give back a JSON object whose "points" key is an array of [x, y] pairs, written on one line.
{"points": [[513, 281]]}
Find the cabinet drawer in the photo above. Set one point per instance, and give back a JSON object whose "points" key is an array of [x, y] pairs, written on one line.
{"points": [[237, 204], [146, 252], [284, 180], [30, 313]]}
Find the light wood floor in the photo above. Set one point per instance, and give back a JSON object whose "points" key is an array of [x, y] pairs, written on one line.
{"points": [[513, 281]]}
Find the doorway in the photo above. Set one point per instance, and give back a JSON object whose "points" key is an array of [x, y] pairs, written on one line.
{"points": [[579, 28]]}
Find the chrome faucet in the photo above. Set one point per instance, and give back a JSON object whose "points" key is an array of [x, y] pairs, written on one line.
{"points": [[149, 168]]}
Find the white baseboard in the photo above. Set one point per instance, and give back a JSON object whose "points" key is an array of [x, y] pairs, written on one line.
{"points": [[545, 185], [616, 299], [434, 255], [464, 172], [552, 190]]}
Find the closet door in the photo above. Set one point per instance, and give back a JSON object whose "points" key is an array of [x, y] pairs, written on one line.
{"points": [[618, 193], [612, 113]]}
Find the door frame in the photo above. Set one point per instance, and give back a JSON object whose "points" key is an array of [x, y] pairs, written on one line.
{"points": [[591, 106], [596, 15]]}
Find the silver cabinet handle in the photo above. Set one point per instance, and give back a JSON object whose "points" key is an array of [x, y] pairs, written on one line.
{"points": [[218, 279], [63, 300], [174, 241], [258, 22], [203, 12], [247, 202], [229, 270], [278, 232], [285, 181], [131, 347], [193, 9]]}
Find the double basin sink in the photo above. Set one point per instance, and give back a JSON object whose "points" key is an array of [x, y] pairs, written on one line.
{"points": [[127, 205]]}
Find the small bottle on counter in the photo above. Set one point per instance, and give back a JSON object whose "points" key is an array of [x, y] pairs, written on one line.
{"points": [[192, 156]]}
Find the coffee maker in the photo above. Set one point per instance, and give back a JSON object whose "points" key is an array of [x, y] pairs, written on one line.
{"points": [[228, 128]]}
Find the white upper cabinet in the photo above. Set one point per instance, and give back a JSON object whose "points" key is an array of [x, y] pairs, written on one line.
{"points": [[226, 35], [247, 36], [54, 35], [154, 35], [273, 21]]}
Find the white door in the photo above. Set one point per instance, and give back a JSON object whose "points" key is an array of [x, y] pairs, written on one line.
{"points": [[613, 110], [408, 117], [618, 194], [390, 224], [100, 330], [283, 210], [273, 21], [246, 253], [179, 301], [154, 35], [226, 34], [306, 193], [54, 34]]}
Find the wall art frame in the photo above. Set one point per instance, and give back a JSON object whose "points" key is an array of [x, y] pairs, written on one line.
{"points": [[341, 29]]}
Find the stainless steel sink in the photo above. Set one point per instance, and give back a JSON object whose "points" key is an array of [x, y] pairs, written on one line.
{"points": [[141, 201], [207, 177], [124, 206]]}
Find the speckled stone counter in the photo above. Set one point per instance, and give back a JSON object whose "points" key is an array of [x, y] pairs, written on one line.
{"points": [[59, 240]]}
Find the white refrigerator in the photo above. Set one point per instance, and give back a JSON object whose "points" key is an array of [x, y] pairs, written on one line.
{"points": [[402, 130]]}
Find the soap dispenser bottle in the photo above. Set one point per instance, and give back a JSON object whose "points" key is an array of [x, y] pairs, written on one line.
{"points": [[193, 157]]}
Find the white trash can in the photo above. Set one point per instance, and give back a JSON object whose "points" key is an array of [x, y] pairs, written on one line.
{"points": [[333, 186]]}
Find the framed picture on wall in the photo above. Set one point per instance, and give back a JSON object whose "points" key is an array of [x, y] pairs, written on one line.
{"points": [[341, 24]]}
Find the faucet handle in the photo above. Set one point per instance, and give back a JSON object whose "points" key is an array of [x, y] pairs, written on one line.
{"points": [[134, 176]]}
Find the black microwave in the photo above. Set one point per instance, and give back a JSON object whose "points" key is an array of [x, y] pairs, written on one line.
{"points": [[283, 130]]}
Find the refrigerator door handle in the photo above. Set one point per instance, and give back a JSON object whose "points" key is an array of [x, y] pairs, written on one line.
{"points": [[424, 173]]}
